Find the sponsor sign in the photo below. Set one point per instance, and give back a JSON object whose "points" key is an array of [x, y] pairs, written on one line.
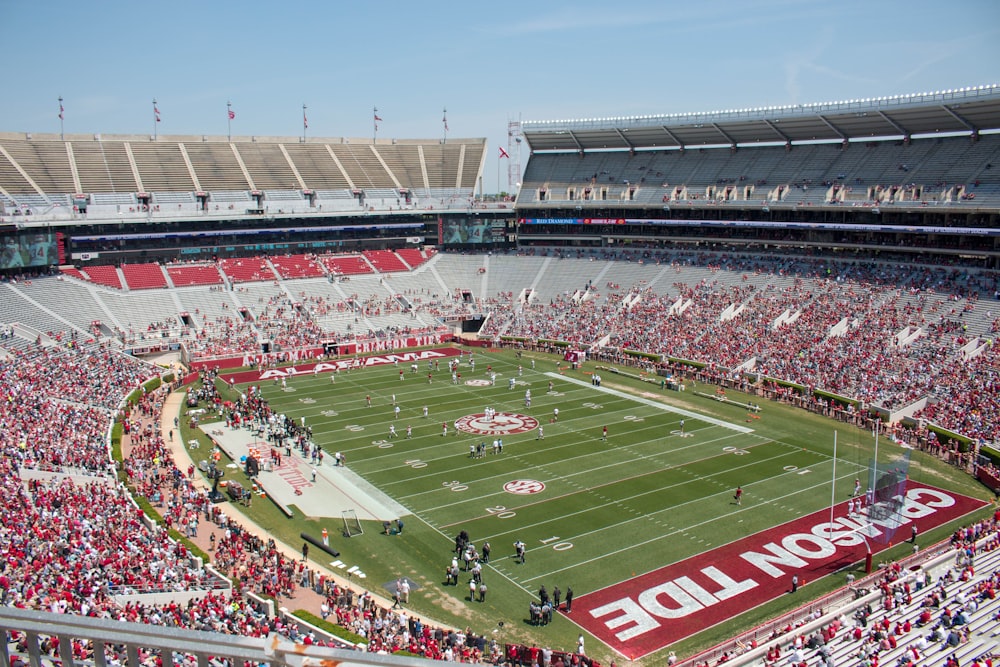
{"points": [[310, 353], [340, 365]]}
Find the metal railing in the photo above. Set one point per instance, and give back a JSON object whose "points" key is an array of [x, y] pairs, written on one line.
{"points": [[128, 641]]}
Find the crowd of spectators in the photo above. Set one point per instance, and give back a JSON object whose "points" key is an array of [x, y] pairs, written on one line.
{"points": [[909, 615], [884, 335], [71, 546]]}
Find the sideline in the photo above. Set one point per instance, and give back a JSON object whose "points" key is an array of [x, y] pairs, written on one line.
{"points": [[653, 404], [306, 598]]}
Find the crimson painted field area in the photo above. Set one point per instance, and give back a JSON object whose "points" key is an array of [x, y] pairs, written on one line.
{"points": [[646, 613]]}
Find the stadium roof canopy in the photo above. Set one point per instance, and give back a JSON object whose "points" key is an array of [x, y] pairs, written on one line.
{"points": [[968, 110]]}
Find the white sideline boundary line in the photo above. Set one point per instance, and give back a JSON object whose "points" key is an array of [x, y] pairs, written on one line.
{"points": [[652, 404]]}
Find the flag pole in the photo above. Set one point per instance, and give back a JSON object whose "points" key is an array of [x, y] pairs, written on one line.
{"points": [[305, 123], [156, 118], [62, 134], [374, 125], [229, 121], [445, 121]]}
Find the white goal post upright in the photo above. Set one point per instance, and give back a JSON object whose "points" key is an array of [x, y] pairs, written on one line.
{"points": [[352, 526]]}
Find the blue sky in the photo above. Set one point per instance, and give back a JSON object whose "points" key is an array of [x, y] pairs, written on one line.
{"points": [[486, 62]]}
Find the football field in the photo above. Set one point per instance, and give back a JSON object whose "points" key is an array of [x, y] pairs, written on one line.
{"points": [[511, 450]]}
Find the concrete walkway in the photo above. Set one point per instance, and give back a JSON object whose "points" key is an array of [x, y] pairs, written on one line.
{"points": [[328, 493], [305, 598]]}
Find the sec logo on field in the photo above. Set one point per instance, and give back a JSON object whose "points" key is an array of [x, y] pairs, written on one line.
{"points": [[503, 423], [524, 487], [478, 383]]}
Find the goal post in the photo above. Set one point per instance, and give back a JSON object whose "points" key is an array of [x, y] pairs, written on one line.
{"points": [[886, 497], [352, 526]]}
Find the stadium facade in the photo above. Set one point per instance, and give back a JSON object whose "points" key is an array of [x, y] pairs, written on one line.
{"points": [[892, 176]]}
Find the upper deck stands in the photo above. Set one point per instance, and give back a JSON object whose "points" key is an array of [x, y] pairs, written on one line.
{"points": [[921, 170]]}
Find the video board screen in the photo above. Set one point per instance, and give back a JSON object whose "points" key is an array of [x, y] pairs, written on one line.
{"points": [[467, 230], [26, 249], [460, 230]]}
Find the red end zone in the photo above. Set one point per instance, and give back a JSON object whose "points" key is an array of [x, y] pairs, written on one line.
{"points": [[343, 365], [647, 613]]}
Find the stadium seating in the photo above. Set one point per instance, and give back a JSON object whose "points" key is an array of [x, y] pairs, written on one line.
{"points": [[185, 275], [290, 267], [765, 287], [385, 261], [74, 272], [104, 275], [806, 172], [412, 256], [144, 276], [346, 265], [252, 269]]}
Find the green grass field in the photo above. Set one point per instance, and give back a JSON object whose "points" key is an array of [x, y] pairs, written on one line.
{"points": [[648, 496]]}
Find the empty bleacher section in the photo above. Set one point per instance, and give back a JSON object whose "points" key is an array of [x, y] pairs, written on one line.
{"points": [[104, 167], [407, 165], [250, 269], [41, 172], [206, 305], [920, 170], [16, 307], [144, 276], [106, 275], [48, 164], [297, 266], [413, 257], [363, 166], [346, 265], [268, 166], [385, 261], [162, 167], [219, 167], [319, 167], [183, 275]]}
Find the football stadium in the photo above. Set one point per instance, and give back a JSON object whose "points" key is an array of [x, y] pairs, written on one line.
{"points": [[695, 388]]}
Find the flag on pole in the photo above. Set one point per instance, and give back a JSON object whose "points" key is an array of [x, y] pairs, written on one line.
{"points": [[232, 114], [156, 113], [503, 153], [305, 121], [60, 110], [445, 120], [377, 119]]}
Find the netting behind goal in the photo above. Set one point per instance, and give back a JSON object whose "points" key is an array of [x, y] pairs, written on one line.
{"points": [[352, 526], [886, 495]]}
